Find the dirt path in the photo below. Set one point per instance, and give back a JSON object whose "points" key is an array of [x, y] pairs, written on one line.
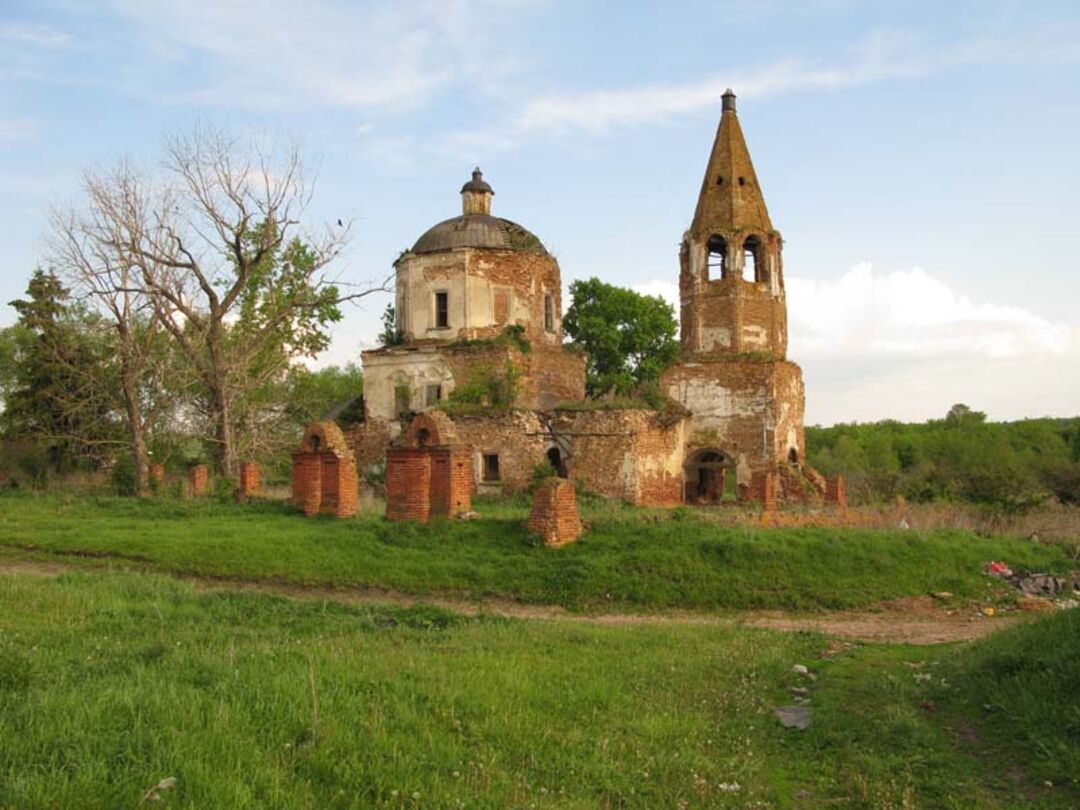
{"points": [[916, 620]]}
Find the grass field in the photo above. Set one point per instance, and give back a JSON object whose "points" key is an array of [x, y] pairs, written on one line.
{"points": [[629, 559], [111, 683]]}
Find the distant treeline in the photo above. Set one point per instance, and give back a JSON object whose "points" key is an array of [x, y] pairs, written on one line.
{"points": [[1014, 465]]}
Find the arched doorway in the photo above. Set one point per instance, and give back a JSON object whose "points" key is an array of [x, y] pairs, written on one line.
{"points": [[555, 459], [709, 476]]}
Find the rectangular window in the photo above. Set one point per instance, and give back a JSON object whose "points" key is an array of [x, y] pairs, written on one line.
{"points": [[432, 395], [442, 310], [549, 312], [491, 468]]}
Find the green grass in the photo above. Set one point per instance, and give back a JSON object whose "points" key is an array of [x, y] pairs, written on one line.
{"points": [[628, 560], [110, 683]]}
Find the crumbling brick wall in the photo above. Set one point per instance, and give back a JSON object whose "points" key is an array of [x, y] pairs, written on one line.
{"points": [[836, 492], [199, 479], [324, 472], [554, 514], [763, 489], [428, 472], [250, 483]]}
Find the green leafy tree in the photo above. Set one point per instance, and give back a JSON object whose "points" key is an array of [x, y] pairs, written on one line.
{"points": [[629, 338], [59, 372]]}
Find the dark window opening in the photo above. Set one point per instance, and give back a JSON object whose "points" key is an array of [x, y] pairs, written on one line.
{"points": [[719, 180], [742, 181], [716, 261], [549, 313], [554, 458], [423, 436], [314, 444], [442, 310], [432, 395], [793, 456], [490, 468], [753, 266]]}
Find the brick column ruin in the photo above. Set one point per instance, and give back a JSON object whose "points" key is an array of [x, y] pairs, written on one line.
{"points": [[554, 514], [835, 492], [199, 479], [250, 481]]}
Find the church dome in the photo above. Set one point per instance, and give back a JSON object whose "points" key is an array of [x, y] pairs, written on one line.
{"points": [[476, 227], [478, 231]]}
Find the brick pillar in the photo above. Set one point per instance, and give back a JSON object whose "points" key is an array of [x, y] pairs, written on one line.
{"points": [[763, 489], [157, 473], [835, 492], [451, 481], [250, 480], [307, 481], [199, 479], [554, 514], [408, 483], [348, 488]]}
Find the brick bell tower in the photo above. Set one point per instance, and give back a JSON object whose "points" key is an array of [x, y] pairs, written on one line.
{"points": [[731, 283], [745, 398]]}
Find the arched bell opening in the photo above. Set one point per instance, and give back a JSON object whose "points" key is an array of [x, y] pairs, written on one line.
{"points": [[555, 459]]}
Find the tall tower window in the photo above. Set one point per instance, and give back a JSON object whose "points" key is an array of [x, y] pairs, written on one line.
{"points": [[442, 310], [716, 262], [549, 312], [753, 261]]}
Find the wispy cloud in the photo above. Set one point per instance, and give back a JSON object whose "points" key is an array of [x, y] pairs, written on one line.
{"points": [[19, 129], [883, 56], [272, 54], [32, 34]]}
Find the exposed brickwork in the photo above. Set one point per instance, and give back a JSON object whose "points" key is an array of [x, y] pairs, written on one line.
{"points": [[408, 483], [554, 514], [199, 479], [835, 492], [763, 489], [324, 479], [369, 440], [428, 474], [250, 484]]}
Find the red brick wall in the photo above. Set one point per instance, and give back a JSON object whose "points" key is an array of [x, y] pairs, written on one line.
{"points": [[835, 492], [307, 481], [763, 489], [408, 483], [451, 481], [250, 480], [199, 479], [554, 514]]}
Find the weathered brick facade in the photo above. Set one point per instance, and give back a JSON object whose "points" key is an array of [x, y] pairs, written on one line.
{"points": [[738, 436], [324, 477], [835, 492], [554, 514]]}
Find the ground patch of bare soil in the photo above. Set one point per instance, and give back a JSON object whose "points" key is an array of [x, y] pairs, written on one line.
{"points": [[913, 620]]}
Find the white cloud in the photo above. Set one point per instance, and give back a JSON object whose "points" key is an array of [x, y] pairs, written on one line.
{"points": [[905, 345], [276, 53]]}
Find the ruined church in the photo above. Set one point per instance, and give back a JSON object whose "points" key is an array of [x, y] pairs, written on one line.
{"points": [[480, 369]]}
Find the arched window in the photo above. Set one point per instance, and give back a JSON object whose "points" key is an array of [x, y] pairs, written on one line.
{"points": [[793, 456], [754, 260], [716, 261]]}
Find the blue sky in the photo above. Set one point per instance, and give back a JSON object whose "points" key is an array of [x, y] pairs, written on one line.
{"points": [[920, 158]]}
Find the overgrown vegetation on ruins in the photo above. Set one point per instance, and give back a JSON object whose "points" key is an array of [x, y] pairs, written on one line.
{"points": [[963, 457]]}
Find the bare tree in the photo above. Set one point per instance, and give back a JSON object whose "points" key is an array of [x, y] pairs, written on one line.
{"points": [[219, 254], [87, 247]]}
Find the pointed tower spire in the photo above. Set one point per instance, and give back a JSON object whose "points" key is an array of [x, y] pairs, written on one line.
{"points": [[730, 199]]}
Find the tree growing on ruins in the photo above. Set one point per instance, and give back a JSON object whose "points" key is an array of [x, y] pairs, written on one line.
{"points": [[218, 250], [629, 338]]}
